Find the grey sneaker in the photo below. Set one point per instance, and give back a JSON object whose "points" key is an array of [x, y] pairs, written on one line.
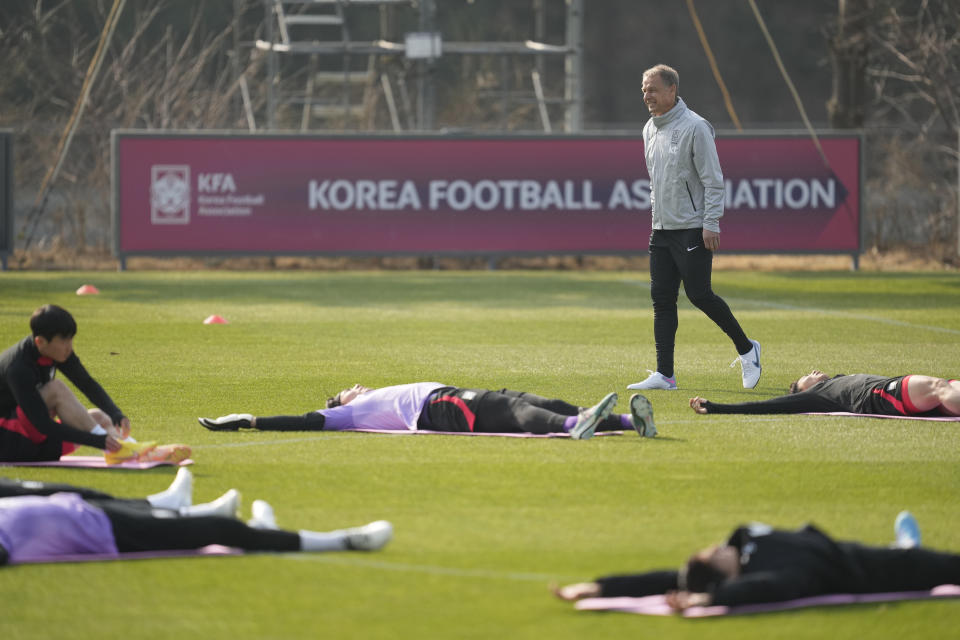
{"points": [[655, 380], [641, 416], [232, 422], [369, 537], [589, 418]]}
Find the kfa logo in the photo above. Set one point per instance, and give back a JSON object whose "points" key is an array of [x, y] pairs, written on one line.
{"points": [[170, 194], [216, 183]]}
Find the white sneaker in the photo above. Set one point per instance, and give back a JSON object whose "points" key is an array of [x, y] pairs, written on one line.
{"points": [[226, 505], [263, 516], [750, 365], [641, 416], [907, 531], [588, 419], [369, 537], [178, 494], [656, 380]]}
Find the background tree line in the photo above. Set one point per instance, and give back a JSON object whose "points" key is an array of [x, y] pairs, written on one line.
{"points": [[889, 67]]}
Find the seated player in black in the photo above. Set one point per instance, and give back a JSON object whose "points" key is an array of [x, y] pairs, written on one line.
{"points": [[42, 419]]}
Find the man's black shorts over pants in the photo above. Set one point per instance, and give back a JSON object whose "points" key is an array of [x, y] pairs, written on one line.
{"points": [[501, 411]]}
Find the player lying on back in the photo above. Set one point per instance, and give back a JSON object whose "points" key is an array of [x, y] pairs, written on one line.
{"points": [[816, 392], [37, 525], [760, 564], [432, 406]]}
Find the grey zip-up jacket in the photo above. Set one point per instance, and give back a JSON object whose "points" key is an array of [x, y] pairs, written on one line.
{"points": [[686, 183]]}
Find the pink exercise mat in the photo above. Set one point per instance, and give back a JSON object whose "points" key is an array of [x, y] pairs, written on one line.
{"points": [[657, 605], [882, 415], [209, 550], [95, 462], [473, 433]]}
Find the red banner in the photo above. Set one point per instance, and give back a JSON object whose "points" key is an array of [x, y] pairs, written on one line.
{"points": [[273, 194]]}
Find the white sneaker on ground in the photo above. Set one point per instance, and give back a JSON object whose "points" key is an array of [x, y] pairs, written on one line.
{"points": [[655, 380], [263, 516], [178, 494], [588, 419], [369, 537], [907, 531], [750, 365], [226, 505], [641, 416]]}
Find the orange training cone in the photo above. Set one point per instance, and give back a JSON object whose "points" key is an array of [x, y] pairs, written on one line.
{"points": [[87, 290], [215, 319]]}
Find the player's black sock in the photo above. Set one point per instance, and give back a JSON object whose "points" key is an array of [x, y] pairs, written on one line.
{"points": [[312, 421]]}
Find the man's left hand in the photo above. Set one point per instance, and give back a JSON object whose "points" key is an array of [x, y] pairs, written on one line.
{"points": [[711, 240]]}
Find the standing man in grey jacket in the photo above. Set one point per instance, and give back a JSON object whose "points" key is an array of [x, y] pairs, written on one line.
{"points": [[686, 192]]}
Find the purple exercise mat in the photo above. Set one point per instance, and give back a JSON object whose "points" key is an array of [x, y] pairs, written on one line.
{"points": [[95, 462], [657, 605], [472, 433], [880, 415], [209, 550]]}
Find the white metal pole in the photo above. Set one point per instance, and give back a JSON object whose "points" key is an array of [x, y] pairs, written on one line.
{"points": [[573, 67]]}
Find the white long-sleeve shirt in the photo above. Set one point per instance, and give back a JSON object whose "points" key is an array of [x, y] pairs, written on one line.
{"points": [[397, 407]]}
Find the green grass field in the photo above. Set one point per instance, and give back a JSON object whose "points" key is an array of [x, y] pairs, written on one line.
{"points": [[483, 525]]}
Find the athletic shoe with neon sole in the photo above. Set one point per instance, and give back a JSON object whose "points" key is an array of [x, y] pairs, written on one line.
{"points": [[641, 416], [588, 419], [232, 422], [172, 453], [128, 450], [907, 531], [369, 537], [655, 380], [750, 366]]}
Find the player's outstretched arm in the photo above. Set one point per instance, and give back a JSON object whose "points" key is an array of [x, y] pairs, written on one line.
{"points": [[793, 403]]}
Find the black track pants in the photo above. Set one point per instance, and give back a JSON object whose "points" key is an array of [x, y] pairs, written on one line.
{"points": [[679, 256]]}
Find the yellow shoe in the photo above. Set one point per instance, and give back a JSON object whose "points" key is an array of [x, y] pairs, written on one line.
{"points": [[128, 451], [172, 453]]}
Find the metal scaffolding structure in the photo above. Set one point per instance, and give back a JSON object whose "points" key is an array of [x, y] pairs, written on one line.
{"points": [[346, 76]]}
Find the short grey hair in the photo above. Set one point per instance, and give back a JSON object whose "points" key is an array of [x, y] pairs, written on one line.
{"points": [[669, 75]]}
